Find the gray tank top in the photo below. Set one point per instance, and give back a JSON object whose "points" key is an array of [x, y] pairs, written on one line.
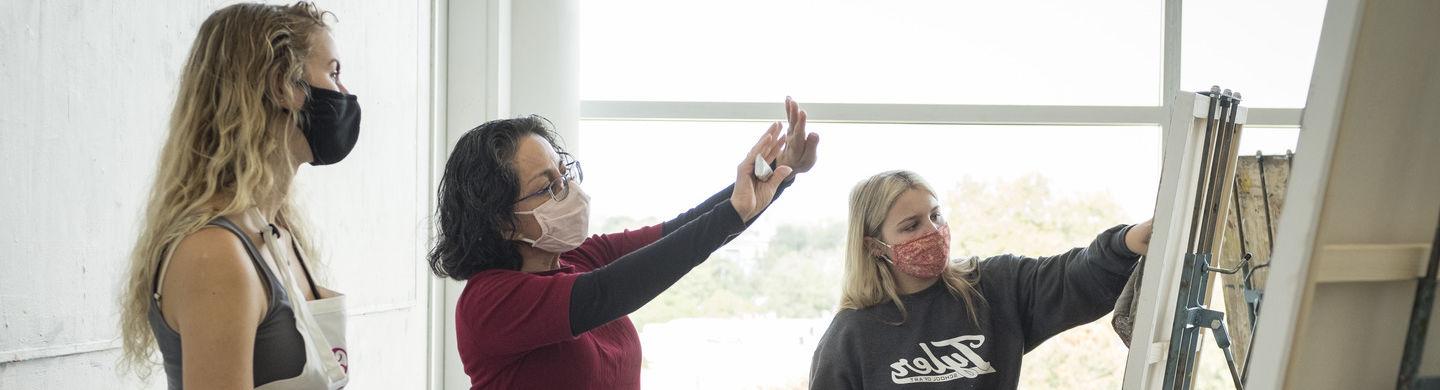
{"points": [[279, 348]]}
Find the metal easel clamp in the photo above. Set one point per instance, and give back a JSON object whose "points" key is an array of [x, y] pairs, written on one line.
{"points": [[1212, 319], [1245, 260]]}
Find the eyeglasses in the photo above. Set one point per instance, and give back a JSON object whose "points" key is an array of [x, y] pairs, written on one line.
{"points": [[559, 188]]}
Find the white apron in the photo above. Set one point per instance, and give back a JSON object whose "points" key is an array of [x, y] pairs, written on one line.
{"points": [[321, 323]]}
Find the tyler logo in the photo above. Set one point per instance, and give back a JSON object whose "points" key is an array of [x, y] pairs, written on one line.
{"points": [[960, 362]]}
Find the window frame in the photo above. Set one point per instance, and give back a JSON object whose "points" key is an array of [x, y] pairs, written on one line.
{"points": [[959, 114]]}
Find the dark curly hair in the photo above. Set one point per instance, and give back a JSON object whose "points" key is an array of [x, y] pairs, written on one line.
{"points": [[477, 198]]}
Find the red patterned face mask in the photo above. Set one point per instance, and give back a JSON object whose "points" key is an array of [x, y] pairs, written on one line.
{"points": [[924, 257]]}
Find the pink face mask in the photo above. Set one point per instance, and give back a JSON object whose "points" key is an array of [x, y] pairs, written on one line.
{"points": [[564, 224], [924, 257]]}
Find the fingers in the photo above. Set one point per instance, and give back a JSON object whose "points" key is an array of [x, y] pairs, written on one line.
{"points": [[795, 136], [793, 111], [762, 147], [766, 148], [796, 118], [799, 122], [773, 143], [811, 142], [780, 174], [790, 108], [775, 149]]}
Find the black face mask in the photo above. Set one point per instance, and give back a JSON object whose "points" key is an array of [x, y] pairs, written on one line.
{"points": [[330, 121]]}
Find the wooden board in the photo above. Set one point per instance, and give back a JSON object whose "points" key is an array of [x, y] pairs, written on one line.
{"points": [[1257, 240]]}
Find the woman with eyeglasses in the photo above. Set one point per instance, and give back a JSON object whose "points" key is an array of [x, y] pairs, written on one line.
{"points": [[545, 303]]}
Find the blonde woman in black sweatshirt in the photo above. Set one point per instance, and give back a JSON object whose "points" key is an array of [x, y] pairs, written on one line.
{"points": [[911, 318]]}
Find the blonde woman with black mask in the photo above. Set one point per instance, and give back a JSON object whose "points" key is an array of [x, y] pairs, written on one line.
{"points": [[913, 318], [220, 277]]}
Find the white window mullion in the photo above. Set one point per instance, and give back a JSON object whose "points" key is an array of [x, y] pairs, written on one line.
{"points": [[1170, 64]]}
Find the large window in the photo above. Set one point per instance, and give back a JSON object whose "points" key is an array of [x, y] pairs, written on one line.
{"points": [[1263, 48], [1052, 52], [1037, 120]]}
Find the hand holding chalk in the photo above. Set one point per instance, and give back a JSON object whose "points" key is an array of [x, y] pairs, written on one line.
{"points": [[762, 169], [755, 183]]}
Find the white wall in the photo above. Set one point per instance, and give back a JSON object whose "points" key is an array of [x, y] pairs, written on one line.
{"points": [[85, 90]]}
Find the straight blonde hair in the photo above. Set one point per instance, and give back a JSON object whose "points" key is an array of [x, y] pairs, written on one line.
{"points": [[227, 149], [867, 280]]}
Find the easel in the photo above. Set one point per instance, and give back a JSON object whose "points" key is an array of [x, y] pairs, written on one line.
{"points": [[1197, 176]]}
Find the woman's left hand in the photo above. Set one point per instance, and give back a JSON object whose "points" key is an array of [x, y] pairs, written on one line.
{"points": [[1138, 237], [799, 152]]}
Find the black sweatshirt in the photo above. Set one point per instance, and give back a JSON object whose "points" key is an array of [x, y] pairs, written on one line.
{"points": [[1026, 301], [623, 286]]}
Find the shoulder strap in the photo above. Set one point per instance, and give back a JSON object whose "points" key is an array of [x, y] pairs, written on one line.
{"points": [[226, 224], [303, 267]]}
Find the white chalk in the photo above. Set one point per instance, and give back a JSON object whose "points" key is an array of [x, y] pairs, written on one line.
{"points": [[762, 169]]}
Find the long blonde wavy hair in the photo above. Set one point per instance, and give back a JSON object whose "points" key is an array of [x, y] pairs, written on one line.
{"points": [[228, 147], [867, 280]]}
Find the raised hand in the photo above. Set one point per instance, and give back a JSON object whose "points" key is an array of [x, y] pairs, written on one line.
{"points": [[799, 151], [752, 195]]}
